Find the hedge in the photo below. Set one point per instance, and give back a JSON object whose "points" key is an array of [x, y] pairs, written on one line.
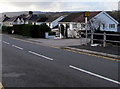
{"points": [[28, 30], [7, 29]]}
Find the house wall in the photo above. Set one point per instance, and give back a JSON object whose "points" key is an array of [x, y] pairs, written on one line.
{"points": [[49, 24], [7, 23], [107, 20], [72, 31], [18, 21], [39, 23]]}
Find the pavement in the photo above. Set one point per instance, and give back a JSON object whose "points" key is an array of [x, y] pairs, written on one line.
{"points": [[109, 51], [60, 42], [78, 45], [27, 64]]}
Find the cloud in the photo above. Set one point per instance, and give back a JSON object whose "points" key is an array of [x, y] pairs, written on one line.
{"points": [[57, 6], [59, 0]]}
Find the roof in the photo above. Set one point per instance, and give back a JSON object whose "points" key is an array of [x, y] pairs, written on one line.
{"points": [[33, 18], [114, 15], [42, 19], [78, 17], [10, 19], [51, 19], [5, 19], [29, 17]]}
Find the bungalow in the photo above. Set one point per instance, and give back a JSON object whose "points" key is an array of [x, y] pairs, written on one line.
{"points": [[21, 19], [53, 21], [9, 21], [31, 19], [71, 25], [41, 20]]}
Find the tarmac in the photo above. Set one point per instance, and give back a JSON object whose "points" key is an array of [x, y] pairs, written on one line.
{"points": [[77, 45], [109, 51]]}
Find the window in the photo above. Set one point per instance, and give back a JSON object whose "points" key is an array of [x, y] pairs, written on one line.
{"points": [[74, 25], [82, 26], [103, 26], [111, 25]]}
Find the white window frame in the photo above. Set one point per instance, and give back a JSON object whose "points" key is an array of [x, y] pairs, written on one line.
{"points": [[111, 26], [74, 25]]}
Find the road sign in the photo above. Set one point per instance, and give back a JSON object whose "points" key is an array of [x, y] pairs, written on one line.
{"points": [[87, 14]]}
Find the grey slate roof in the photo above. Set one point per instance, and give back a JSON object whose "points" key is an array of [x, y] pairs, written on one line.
{"points": [[42, 19], [51, 19], [78, 17], [5, 19]]}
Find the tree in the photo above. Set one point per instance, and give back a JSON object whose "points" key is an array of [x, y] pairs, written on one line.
{"points": [[95, 24]]}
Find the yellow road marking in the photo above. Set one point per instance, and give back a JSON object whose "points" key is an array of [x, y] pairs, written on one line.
{"points": [[69, 50], [92, 55], [1, 86]]}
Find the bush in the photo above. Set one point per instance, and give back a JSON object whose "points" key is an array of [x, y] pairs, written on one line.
{"points": [[35, 31], [42, 29], [7, 29], [28, 30], [52, 33]]}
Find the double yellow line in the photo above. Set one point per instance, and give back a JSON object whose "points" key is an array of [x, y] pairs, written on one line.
{"points": [[109, 58], [113, 59]]}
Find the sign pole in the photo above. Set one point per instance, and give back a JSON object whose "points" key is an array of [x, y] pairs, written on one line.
{"points": [[86, 15], [86, 29]]}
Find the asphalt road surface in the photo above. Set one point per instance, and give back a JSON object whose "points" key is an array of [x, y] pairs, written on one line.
{"points": [[27, 64]]}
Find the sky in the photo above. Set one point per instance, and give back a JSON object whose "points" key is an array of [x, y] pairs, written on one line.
{"points": [[57, 5]]}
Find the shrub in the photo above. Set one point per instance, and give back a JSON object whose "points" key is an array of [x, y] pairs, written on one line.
{"points": [[52, 33], [28, 30], [42, 29], [7, 29], [35, 31]]}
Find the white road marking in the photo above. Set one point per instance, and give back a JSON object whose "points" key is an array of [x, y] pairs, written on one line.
{"points": [[17, 47], [99, 76], [40, 55], [6, 42]]}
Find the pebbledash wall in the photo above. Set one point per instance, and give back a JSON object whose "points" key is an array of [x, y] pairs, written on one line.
{"points": [[108, 20]]}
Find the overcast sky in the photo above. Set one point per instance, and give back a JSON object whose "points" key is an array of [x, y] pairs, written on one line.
{"points": [[57, 5]]}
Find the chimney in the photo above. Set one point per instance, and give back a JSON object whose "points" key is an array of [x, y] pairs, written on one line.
{"points": [[5, 16], [30, 13]]}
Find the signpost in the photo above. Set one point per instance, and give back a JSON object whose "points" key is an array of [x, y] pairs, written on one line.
{"points": [[86, 15]]}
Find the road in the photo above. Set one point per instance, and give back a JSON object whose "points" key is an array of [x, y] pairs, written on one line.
{"points": [[30, 64]]}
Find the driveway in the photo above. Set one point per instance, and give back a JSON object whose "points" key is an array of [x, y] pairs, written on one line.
{"points": [[60, 42]]}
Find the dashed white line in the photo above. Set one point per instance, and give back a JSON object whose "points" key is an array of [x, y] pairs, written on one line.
{"points": [[17, 47], [40, 55], [6, 42], [96, 75]]}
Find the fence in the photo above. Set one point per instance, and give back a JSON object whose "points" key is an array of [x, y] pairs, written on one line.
{"points": [[104, 40]]}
